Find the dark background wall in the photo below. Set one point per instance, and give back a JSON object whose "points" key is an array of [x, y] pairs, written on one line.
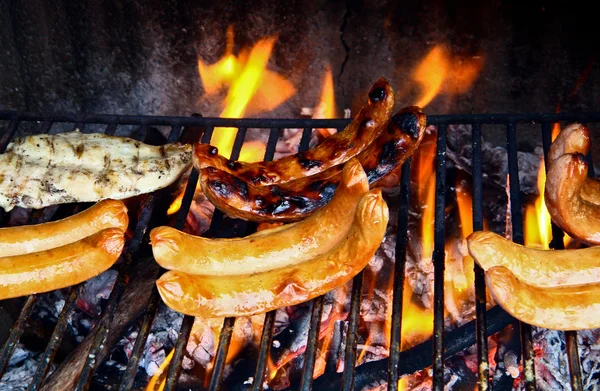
{"points": [[140, 56]]}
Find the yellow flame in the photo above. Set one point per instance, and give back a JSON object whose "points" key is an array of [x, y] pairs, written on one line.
{"points": [[218, 75], [538, 228], [403, 384], [252, 151], [417, 322], [176, 205], [249, 81], [430, 73], [328, 96], [439, 72], [158, 375]]}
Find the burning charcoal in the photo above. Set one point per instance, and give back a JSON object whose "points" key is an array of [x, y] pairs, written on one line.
{"points": [[200, 215], [21, 368], [94, 291], [551, 366], [494, 162]]}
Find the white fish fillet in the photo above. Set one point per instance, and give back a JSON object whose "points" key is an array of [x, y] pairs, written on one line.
{"points": [[42, 170]]}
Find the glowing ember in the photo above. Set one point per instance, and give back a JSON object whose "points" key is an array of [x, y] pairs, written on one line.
{"points": [[158, 376]]}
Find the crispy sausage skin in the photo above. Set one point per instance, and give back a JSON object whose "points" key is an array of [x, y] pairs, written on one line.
{"points": [[542, 268], [334, 150], [33, 238], [244, 295], [574, 215], [268, 249], [559, 308], [297, 199], [575, 138], [60, 267]]}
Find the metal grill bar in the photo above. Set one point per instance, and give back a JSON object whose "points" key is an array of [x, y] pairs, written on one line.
{"points": [[16, 332], [311, 344], [517, 237], [558, 244], [399, 272], [55, 339], [351, 331], [492, 321], [316, 313], [102, 328], [480, 288], [154, 302], [439, 259], [500, 119], [228, 324]]}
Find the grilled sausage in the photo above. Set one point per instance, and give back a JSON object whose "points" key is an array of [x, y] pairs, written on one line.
{"points": [[244, 295], [559, 308], [542, 268], [337, 149], [33, 238], [268, 249], [575, 138], [299, 198], [60, 267], [574, 215]]}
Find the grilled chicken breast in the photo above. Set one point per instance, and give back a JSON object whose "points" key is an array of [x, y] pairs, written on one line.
{"points": [[42, 170]]}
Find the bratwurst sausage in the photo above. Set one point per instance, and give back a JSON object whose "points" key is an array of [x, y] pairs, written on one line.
{"points": [[558, 308], [543, 268], [33, 238], [297, 199], [245, 295], [60, 267], [574, 215], [268, 249], [334, 150]]}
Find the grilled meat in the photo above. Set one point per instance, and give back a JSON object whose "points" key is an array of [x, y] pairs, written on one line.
{"points": [[42, 170]]}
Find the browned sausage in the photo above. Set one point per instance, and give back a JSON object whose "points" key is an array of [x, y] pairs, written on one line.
{"points": [[559, 308], [574, 215], [60, 267], [333, 151], [543, 268], [33, 238], [299, 198], [270, 248], [245, 295]]}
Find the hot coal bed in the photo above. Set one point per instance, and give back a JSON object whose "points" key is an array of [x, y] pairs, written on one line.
{"points": [[113, 332]]}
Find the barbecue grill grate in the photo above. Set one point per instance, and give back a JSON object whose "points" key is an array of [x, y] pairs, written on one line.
{"points": [[443, 344]]}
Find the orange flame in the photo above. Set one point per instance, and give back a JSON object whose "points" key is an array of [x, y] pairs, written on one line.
{"points": [[538, 230], [249, 81], [159, 375], [439, 72]]}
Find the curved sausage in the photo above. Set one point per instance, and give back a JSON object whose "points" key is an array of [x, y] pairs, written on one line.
{"points": [[60, 267], [557, 308], [268, 249], [574, 215], [575, 138], [245, 295], [33, 238], [543, 268], [297, 199], [334, 150]]}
